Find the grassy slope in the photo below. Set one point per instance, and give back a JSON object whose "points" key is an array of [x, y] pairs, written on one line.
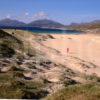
{"points": [[78, 92], [12, 83]]}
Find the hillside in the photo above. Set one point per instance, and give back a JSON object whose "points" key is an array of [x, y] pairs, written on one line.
{"points": [[31, 68], [10, 23], [38, 23], [46, 24], [85, 26]]}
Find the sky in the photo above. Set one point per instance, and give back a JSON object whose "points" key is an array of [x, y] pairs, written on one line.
{"points": [[64, 11]]}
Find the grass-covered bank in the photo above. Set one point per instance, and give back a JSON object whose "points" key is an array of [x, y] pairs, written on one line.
{"points": [[14, 86], [78, 92]]}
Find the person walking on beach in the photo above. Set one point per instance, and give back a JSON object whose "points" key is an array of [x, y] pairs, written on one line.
{"points": [[67, 50]]}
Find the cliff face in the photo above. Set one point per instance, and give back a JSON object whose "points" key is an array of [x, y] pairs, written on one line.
{"points": [[25, 59]]}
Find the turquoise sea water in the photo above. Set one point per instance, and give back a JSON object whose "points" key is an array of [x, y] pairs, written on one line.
{"points": [[44, 30], [56, 31]]}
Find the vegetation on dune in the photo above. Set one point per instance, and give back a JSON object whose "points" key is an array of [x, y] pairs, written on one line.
{"points": [[13, 83], [78, 92], [6, 51], [15, 89], [14, 86]]}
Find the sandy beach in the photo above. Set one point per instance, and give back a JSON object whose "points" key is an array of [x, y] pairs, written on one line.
{"points": [[83, 46], [74, 51]]}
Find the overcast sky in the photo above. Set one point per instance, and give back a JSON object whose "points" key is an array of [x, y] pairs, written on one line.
{"points": [[64, 11]]}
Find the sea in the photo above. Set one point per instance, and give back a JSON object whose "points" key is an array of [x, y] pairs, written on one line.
{"points": [[44, 30]]}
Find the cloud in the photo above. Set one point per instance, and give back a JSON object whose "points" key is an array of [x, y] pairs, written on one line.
{"points": [[27, 17], [26, 13], [8, 16], [40, 15]]}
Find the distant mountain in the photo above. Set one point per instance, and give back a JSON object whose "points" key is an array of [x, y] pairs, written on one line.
{"points": [[38, 23], [45, 23], [96, 21], [90, 25], [10, 22]]}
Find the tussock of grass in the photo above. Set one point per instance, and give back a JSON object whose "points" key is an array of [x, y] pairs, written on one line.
{"points": [[15, 89], [78, 92], [14, 86], [6, 51]]}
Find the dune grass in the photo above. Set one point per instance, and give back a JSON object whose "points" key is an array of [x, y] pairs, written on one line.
{"points": [[14, 86], [78, 92]]}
